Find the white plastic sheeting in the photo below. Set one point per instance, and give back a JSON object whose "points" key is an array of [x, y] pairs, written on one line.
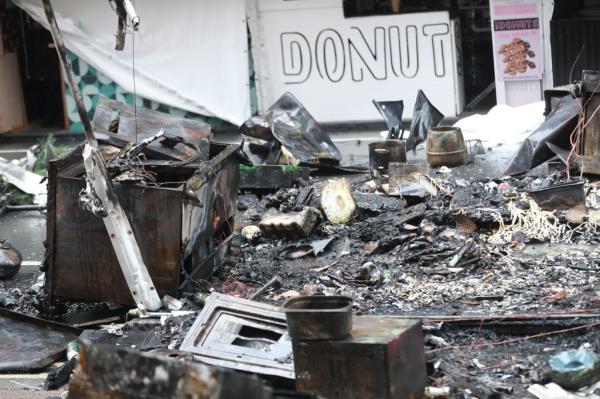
{"points": [[24, 180], [503, 124], [189, 54]]}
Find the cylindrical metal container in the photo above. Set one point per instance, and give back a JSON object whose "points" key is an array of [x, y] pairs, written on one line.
{"points": [[381, 153], [318, 317], [446, 146]]}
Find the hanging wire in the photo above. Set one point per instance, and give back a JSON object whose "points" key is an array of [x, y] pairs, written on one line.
{"points": [[133, 76]]}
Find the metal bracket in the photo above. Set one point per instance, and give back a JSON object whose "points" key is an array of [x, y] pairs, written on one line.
{"points": [[121, 235]]}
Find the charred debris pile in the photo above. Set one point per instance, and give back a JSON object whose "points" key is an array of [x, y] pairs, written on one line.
{"points": [[180, 267], [408, 279]]}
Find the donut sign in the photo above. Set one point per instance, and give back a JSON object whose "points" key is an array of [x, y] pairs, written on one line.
{"points": [[335, 65], [517, 40]]}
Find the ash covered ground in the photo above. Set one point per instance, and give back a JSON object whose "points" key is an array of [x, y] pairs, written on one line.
{"points": [[395, 258], [478, 248]]}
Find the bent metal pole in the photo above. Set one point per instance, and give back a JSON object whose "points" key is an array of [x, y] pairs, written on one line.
{"points": [[100, 194]]}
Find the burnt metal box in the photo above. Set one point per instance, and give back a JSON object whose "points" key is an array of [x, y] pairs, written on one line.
{"points": [[589, 138], [384, 358], [183, 226]]}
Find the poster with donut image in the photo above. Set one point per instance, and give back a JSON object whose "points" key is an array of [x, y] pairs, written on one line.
{"points": [[517, 40]]}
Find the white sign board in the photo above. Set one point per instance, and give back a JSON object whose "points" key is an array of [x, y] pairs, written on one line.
{"points": [[518, 50], [335, 65]]}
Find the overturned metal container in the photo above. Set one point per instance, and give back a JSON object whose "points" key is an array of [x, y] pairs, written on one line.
{"points": [[318, 317], [183, 223], [560, 196], [446, 146], [383, 358]]}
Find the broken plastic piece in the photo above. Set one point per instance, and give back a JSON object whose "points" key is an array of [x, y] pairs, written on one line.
{"points": [[575, 368], [299, 250], [24, 180], [138, 123]]}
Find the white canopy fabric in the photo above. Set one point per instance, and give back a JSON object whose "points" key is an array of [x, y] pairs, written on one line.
{"points": [[189, 54]]}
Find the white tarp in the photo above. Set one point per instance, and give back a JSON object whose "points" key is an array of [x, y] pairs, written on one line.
{"points": [[503, 124], [189, 54]]}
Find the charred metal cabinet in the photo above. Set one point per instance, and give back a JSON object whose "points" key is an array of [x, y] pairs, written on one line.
{"points": [[183, 228], [589, 138], [383, 358]]}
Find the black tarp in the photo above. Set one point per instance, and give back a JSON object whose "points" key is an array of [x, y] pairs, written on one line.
{"points": [[556, 129], [425, 116], [392, 113]]}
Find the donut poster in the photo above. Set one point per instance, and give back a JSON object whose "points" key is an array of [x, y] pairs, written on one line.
{"points": [[517, 40]]}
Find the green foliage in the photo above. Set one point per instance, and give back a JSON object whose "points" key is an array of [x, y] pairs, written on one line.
{"points": [[46, 151]]}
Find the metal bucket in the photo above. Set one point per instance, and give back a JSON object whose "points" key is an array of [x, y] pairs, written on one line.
{"points": [[318, 317], [446, 146], [381, 153]]}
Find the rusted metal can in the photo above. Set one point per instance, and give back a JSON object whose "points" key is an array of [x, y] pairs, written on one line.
{"points": [[446, 146]]}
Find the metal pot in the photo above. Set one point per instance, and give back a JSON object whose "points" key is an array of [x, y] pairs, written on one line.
{"points": [[318, 317], [446, 146], [10, 260]]}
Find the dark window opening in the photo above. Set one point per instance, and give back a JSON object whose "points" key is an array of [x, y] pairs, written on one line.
{"points": [[256, 338], [363, 8], [254, 332], [38, 77], [573, 39]]}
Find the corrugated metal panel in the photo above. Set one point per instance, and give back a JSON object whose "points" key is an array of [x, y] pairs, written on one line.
{"points": [[567, 38]]}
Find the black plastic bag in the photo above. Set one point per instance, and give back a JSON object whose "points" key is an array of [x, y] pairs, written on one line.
{"points": [[392, 113], [556, 129], [425, 116]]}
